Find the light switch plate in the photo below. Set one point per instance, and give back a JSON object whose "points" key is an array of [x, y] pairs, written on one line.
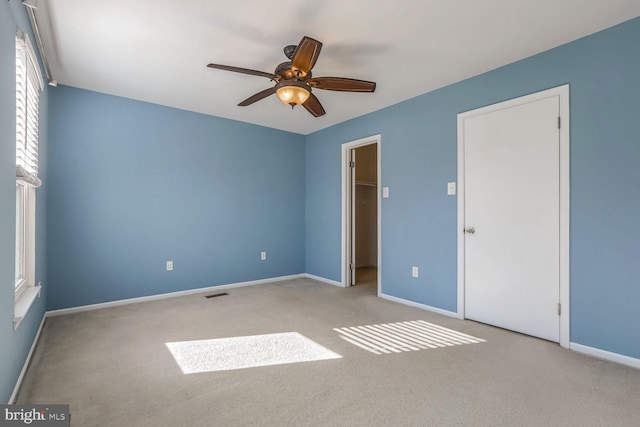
{"points": [[385, 192], [169, 265], [263, 256], [451, 188], [414, 271]]}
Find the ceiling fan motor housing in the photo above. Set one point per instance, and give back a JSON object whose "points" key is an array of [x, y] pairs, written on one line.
{"points": [[284, 70]]}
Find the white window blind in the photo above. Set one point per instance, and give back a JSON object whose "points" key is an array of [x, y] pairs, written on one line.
{"points": [[29, 83]]}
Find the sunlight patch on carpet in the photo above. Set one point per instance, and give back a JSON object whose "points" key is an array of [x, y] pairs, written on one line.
{"points": [[404, 336], [224, 354]]}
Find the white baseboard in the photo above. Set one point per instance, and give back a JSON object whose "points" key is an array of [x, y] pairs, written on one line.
{"points": [[606, 355], [322, 279], [90, 307], [418, 305], [26, 362]]}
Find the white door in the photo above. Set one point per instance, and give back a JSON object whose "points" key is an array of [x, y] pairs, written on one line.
{"points": [[512, 218]]}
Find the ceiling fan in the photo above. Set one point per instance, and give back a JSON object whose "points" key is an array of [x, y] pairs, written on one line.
{"points": [[294, 81]]}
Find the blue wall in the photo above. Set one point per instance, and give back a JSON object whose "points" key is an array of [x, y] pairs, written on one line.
{"points": [[137, 184], [132, 185], [419, 152], [15, 345]]}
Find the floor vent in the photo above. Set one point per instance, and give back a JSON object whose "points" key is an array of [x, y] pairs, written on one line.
{"points": [[216, 295]]}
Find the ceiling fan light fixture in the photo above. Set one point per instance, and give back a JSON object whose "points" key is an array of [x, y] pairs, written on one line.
{"points": [[293, 93], [293, 79]]}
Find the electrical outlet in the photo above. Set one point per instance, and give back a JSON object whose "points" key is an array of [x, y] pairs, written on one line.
{"points": [[263, 256], [169, 265], [414, 271], [385, 192]]}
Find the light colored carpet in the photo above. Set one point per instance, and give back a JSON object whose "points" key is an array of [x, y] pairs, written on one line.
{"points": [[114, 368]]}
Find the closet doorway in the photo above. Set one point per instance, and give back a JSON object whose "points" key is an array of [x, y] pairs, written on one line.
{"points": [[361, 218]]}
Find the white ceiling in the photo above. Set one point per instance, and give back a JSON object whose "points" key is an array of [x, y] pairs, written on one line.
{"points": [[157, 50]]}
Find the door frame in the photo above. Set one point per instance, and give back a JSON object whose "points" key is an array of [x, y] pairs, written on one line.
{"points": [[346, 220], [563, 93]]}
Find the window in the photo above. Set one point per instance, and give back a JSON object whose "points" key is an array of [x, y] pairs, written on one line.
{"points": [[21, 274], [28, 87]]}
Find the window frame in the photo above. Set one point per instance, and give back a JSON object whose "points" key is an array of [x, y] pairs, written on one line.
{"points": [[29, 84], [21, 240]]}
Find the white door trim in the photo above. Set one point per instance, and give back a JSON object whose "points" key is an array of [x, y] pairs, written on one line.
{"points": [[346, 226], [352, 224], [563, 93]]}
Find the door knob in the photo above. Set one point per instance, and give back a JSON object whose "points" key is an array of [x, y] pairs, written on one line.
{"points": [[470, 230]]}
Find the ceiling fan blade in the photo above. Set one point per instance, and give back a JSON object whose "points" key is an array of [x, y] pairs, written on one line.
{"points": [[257, 97], [305, 56], [342, 84], [313, 106], [244, 71]]}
